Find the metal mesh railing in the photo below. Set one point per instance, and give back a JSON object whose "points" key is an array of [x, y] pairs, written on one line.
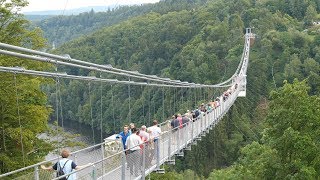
{"points": [[111, 162]]}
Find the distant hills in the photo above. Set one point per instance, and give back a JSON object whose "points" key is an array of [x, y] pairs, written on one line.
{"points": [[77, 11], [42, 15], [72, 11]]}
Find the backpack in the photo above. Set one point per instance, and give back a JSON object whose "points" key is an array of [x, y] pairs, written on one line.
{"points": [[197, 113], [60, 171]]}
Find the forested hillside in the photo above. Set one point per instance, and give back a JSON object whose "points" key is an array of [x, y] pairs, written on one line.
{"points": [[60, 29], [202, 42]]}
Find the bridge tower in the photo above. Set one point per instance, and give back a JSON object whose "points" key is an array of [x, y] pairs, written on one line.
{"points": [[242, 78]]}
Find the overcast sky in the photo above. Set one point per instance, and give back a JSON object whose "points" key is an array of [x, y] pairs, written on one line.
{"points": [[43, 5]]}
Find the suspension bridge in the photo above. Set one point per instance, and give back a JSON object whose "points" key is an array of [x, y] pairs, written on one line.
{"points": [[108, 160]]}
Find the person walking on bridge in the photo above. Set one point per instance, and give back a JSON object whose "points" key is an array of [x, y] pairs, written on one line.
{"points": [[145, 137], [155, 134], [174, 127], [66, 165], [124, 135], [133, 152], [131, 126]]}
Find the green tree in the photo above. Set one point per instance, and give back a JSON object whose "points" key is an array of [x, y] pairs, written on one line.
{"points": [[292, 129], [23, 110], [257, 161], [294, 69], [310, 16], [290, 140], [310, 65]]}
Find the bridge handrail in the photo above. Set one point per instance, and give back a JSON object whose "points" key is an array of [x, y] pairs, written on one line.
{"points": [[57, 158], [164, 123]]}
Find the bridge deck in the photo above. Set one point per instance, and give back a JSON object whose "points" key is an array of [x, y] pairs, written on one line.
{"points": [[171, 143]]}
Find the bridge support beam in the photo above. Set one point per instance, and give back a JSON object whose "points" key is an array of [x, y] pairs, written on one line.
{"points": [[188, 148], [36, 173], [143, 162], [94, 173], [171, 161], [180, 154], [123, 166], [157, 149], [194, 142], [160, 171]]}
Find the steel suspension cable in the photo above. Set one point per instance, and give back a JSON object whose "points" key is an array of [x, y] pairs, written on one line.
{"points": [[199, 98], [86, 78], [143, 104], [149, 100], [60, 103], [181, 98], [203, 92], [189, 97], [174, 99], [91, 116], [241, 131], [19, 120], [195, 97], [170, 105], [95, 67], [88, 66], [57, 104], [129, 93], [113, 116], [250, 129], [2, 127], [200, 94], [101, 107], [110, 69], [208, 92], [154, 104], [214, 145], [57, 109], [163, 118], [248, 105]]}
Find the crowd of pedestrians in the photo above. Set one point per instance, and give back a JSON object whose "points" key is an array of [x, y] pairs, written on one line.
{"points": [[136, 141]]}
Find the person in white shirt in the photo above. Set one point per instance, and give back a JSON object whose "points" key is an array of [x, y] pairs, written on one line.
{"points": [[155, 134], [155, 131], [133, 152]]}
